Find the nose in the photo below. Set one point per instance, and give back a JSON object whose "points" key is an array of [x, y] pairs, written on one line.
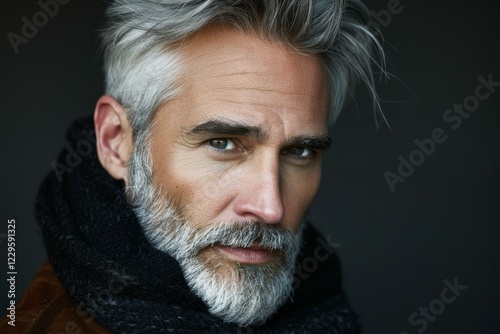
{"points": [[259, 196]]}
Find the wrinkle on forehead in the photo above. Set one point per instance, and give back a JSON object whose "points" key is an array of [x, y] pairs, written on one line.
{"points": [[256, 89], [257, 104], [234, 74], [233, 52]]}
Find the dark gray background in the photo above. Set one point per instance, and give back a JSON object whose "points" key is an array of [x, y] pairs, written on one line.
{"points": [[397, 247]]}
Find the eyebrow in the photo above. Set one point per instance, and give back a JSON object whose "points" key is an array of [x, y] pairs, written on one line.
{"points": [[223, 128], [321, 143], [216, 127]]}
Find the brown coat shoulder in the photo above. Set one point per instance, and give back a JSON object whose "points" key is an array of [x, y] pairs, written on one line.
{"points": [[45, 307]]}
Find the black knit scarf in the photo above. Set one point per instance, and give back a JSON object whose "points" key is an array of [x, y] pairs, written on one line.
{"points": [[100, 254]]}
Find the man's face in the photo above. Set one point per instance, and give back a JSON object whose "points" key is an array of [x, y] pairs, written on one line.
{"points": [[235, 162], [243, 139]]}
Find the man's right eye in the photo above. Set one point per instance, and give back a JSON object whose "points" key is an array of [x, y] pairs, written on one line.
{"points": [[222, 144]]}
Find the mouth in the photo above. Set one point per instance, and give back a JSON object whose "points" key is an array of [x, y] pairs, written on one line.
{"points": [[254, 254]]}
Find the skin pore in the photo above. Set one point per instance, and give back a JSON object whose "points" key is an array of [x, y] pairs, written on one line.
{"points": [[244, 137]]}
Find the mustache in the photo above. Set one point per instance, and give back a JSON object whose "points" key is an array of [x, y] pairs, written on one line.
{"points": [[243, 234]]}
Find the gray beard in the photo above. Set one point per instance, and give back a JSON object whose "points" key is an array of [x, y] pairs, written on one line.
{"points": [[245, 294]]}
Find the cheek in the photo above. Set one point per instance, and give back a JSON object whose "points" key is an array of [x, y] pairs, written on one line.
{"points": [[299, 193], [212, 189], [201, 189]]}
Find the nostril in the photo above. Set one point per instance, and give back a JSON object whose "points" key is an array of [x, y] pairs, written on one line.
{"points": [[269, 212]]}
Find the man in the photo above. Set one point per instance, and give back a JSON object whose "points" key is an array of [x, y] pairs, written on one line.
{"points": [[188, 214]]}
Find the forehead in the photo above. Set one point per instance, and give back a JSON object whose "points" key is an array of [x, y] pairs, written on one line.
{"points": [[239, 76]]}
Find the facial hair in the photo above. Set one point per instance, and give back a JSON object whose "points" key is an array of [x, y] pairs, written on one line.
{"points": [[246, 294]]}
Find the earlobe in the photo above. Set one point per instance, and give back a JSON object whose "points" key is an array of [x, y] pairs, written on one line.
{"points": [[114, 137]]}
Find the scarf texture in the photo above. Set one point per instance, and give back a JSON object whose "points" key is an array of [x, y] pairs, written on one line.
{"points": [[114, 276]]}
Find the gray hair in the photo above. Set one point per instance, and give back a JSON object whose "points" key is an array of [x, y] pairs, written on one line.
{"points": [[142, 37]]}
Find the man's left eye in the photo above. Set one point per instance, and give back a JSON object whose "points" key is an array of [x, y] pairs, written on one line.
{"points": [[222, 144], [301, 152]]}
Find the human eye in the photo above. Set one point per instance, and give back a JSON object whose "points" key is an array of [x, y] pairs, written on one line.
{"points": [[301, 153], [222, 144]]}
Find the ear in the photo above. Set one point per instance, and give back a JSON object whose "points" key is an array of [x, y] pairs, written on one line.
{"points": [[114, 137]]}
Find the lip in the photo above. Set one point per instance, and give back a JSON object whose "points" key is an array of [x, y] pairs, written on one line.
{"points": [[254, 254]]}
